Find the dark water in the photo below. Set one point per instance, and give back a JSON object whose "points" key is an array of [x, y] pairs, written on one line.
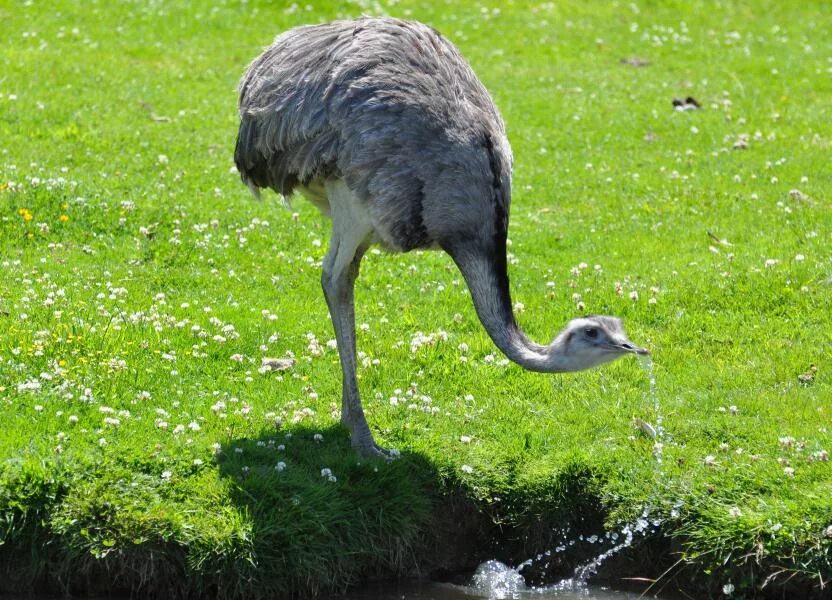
{"points": [[446, 591], [497, 581]]}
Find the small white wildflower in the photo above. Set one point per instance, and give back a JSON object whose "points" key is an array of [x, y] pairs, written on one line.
{"points": [[466, 469], [318, 438], [735, 512], [166, 475], [465, 439], [787, 441], [728, 589], [280, 466]]}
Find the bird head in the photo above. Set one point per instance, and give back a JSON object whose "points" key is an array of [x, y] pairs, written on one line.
{"points": [[594, 340]]}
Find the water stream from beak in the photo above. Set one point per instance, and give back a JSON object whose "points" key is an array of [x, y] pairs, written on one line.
{"points": [[646, 361]]}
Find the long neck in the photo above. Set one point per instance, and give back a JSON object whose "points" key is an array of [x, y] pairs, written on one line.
{"points": [[487, 279]]}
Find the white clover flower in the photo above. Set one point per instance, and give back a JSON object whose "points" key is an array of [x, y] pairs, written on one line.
{"points": [[280, 466], [467, 469], [318, 438]]}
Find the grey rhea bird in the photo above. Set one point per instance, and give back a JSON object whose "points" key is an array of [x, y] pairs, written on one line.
{"points": [[383, 125]]}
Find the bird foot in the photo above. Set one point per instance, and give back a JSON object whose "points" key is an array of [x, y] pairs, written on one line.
{"points": [[369, 449]]}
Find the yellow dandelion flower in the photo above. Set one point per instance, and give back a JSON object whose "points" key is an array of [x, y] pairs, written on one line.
{"points": [[63, 218]]}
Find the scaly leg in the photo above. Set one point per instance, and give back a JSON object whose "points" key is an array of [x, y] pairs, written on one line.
{"points": [[350, 239]]}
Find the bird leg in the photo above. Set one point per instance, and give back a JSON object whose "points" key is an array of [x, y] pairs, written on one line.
{"points": [[340, 269]]}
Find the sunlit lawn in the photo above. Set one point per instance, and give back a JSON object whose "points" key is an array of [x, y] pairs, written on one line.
{"points": [[141, 287]]}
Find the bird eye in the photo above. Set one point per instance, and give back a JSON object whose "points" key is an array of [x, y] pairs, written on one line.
{"points": [[591, 332]]}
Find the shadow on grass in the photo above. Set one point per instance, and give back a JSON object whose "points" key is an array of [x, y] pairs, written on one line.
{"points": [[282, 514], [322, 519]]}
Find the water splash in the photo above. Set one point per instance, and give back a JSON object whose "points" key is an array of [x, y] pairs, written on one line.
{"points": [[498, 581], [643, 525]]}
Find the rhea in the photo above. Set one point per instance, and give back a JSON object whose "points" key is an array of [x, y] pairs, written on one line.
{"points": [[385, 127]]}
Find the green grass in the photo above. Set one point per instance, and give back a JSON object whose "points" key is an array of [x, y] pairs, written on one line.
{"points": [[128, 245]]}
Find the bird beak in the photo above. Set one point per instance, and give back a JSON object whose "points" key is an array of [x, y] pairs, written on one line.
{"points": [[628, 346]]}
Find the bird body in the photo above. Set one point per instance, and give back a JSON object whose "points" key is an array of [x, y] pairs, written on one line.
{"points": [[389, 106], [384, 126]]}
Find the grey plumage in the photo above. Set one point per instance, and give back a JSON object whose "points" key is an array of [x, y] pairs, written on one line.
{"points": [[388, 105], [384, 126]]}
